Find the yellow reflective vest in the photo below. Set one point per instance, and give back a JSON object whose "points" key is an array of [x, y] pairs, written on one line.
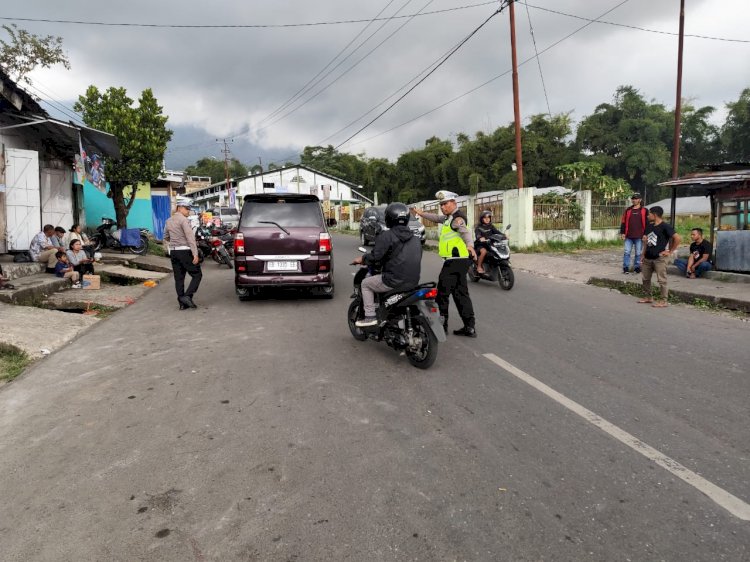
{"points": [[451, 245]]}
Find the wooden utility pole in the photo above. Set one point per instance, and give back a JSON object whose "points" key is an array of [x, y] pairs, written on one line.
{"points": [[516, 104], [677, 114]]}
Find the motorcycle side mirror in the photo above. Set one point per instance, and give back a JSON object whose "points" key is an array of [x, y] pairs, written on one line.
{"points": [[507, 227], [362, 249]]}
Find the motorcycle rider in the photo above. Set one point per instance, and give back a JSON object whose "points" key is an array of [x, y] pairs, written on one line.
{"points": [[183, 251], [399, 253], [482, 232], [457, 250]]}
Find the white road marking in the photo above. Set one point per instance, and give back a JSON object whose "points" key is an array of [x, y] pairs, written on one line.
{"points": [[732, 504]]}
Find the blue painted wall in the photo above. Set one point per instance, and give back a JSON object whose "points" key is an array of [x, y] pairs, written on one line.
{"points": [[97, 205]]}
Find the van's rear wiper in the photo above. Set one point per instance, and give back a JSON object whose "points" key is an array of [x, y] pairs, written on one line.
{"points": [[276, 224]]}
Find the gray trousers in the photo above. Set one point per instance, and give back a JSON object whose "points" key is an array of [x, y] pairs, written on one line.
{"points": [[370, 286]]}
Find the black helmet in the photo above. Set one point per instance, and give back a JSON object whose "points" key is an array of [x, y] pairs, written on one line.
{"points": [[396, 213], [484, 214]]}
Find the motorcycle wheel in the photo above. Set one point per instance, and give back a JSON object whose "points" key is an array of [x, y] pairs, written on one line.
{"points": [[425, 357], [506, 278], [142, 248], [226, 260], [97, 243], [216, 257], [352, 316], [473, 275]]}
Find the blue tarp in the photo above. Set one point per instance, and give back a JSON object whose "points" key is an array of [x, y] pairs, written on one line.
{"points": [[130, 237], [161, 212]]}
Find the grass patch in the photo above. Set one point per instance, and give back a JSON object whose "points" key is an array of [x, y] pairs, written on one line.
{"points": [[554, 246], [12, 361], [683, 225], [156, 249]]}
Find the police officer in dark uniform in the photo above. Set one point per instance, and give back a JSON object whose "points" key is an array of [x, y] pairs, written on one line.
{"points": [[456, 247]]}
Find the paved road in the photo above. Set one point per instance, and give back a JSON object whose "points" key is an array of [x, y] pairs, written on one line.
{"points": [[263, 431]]}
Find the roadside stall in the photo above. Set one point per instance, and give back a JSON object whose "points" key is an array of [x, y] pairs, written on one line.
{"points": [[728, 186]]}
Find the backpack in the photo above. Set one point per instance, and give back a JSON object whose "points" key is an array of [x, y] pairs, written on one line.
{"points": [[22, 257]]}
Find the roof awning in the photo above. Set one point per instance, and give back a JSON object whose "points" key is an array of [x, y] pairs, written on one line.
{"points": [[66, 136]]}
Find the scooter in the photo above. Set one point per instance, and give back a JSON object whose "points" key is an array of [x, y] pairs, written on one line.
{"points": [[496, 263], [106, 237], [408, 321]]}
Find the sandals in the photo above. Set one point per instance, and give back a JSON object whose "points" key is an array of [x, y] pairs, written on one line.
{"points": [[660, 304], [645, 301]]}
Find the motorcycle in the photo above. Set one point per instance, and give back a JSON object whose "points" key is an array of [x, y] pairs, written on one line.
{"points": [[209, 245], [106, 237], [408, 321], [496, 263]]}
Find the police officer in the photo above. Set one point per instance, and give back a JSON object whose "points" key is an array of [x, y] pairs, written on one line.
{"points": [[456, 247], [183, 251]]}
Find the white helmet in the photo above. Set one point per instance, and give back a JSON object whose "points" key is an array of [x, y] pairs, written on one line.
{"points": [[444, 195], [183, 202]]}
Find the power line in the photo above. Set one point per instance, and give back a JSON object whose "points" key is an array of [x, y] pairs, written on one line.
{"points": [[445, 59], [55, 104], [538, 61], [305, 88], [344, 73], [633, 26], [569, 35], [240, 26]]}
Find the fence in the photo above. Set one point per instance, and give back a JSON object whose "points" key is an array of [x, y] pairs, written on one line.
{"points": [[607, 216], [557, 216], [493, 203]]}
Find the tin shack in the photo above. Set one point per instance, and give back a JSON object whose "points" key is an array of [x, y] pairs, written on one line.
{"points": [[728, 186]]}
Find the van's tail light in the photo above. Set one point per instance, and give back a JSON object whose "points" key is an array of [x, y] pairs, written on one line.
{"points": [[239, 243], [325, 243]]}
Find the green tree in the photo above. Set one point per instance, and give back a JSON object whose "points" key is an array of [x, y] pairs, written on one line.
{"points": [[141, 133], [25, 51], [215, 169], [735, 134], [700, 141], [588, 176], [630, 138], [342, 165]]}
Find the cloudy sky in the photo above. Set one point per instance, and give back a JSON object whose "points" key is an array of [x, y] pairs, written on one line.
{"points": [[274, 85]]}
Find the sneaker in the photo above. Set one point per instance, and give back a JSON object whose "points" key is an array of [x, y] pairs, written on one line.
{"points": [[367, 321], [76, 285], [625, 270], [637, 269]]}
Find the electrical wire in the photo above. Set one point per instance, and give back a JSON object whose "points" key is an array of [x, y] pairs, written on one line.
{"points": [[538, 61], [634, 26], [445, 59], [241, 26], [344, 73], [304, 88], [53, 103]]}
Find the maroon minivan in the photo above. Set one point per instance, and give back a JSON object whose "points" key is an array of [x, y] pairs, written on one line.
{"points": [[282, 241]]}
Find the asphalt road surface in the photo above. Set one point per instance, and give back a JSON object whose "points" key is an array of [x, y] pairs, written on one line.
{"points": [[579, 425]]}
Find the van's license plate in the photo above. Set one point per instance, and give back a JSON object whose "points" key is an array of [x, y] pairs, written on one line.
{"points": [[282, 266]]}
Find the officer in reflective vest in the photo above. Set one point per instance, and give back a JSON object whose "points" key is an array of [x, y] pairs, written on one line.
{"points": [[456, 247]]}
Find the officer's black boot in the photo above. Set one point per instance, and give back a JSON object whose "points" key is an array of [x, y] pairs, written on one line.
{"points": [[444, 320]]}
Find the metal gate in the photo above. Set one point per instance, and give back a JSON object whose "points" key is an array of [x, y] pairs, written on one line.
{"points": [[22, 201]]}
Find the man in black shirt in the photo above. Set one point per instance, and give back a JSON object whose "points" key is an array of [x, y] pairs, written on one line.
{"points": [[699, 260], [659, 242]]}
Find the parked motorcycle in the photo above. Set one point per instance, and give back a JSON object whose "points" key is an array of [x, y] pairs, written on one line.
{"points": [[108, 236], [408, 321], [496, 263], [209, 245]]}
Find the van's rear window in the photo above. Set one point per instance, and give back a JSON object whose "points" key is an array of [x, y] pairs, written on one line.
{"points": [[285, 213]]}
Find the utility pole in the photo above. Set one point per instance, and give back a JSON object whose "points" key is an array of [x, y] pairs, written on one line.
{"points": [[677, 114], [227, 152], [516, 104]]}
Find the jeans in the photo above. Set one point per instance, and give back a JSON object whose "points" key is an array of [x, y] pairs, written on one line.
{"points": [[681, 264], [630, 244]]}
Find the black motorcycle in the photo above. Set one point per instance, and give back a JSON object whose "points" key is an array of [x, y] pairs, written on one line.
{"points": [[496, 263], [210, 245], [408, 321], [108, 236]]}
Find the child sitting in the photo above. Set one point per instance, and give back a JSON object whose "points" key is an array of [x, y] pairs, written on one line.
{"points": [[65, 270]]}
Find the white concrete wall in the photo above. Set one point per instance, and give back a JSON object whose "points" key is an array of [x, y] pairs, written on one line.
{"points": [[283, 179]]}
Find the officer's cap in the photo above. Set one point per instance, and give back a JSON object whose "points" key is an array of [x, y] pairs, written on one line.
{"points": [[444, 195]]}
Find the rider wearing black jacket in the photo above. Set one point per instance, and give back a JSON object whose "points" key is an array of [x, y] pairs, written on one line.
{"points": [[399, 253]]}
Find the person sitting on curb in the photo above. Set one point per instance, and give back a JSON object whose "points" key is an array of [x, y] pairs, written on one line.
{"points": [[43, 250], [699, 260], [659, 242], [76, 233], [80, 261], [65, 270]]}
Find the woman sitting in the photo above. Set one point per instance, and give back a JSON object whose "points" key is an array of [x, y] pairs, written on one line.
{"points": [[80, 261], [482, 232], [76, 233]]}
